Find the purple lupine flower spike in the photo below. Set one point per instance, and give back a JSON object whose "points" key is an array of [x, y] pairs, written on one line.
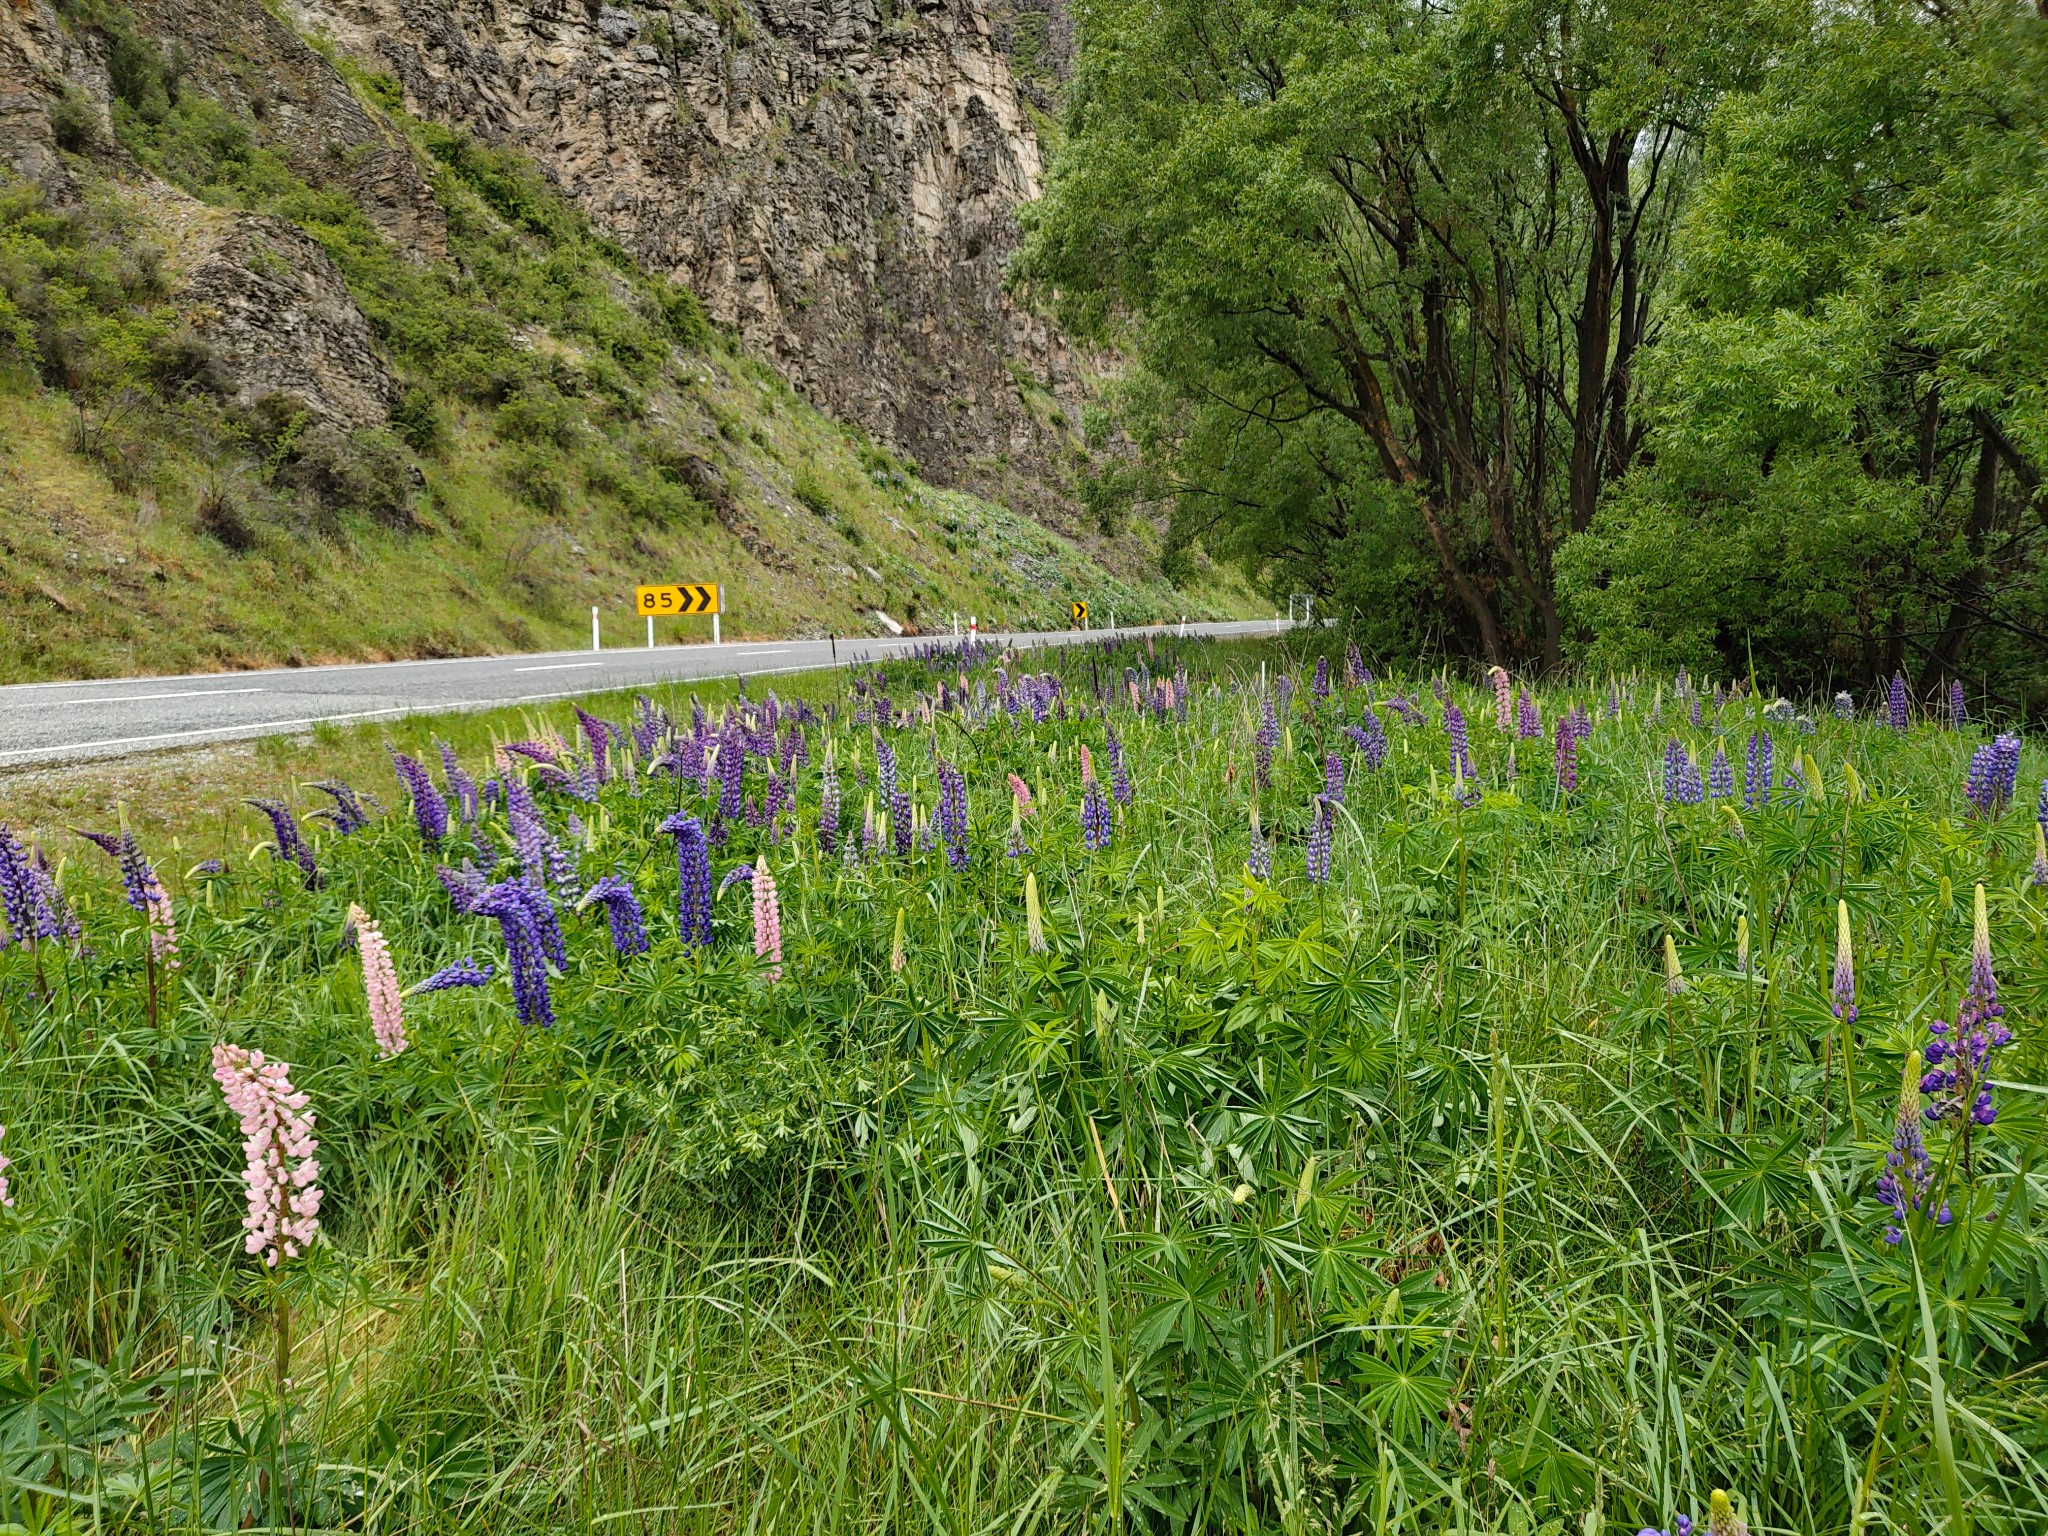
{"points": [[599, 735], [953, 813], [429, 810], [1461, 742], [513, 904], [463, 973], [1720, 776], [1567, 756], [622, 910], [467, 803], [1528, 718], [1908, 1170], [693, 868], [1119, 774], [1263, 742], [1681, 776], [1355, 675], [1333, 778], [1095, 818], [1895, 702], [346, 815], [1757, 774], [734, 876], [1319, 841], [1321, 686], [1959, 1082], [1958, 705], [287, 846]]}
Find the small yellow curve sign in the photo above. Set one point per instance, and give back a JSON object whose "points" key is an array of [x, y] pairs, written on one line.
{"points": [[679, 599], [1080, 613]]}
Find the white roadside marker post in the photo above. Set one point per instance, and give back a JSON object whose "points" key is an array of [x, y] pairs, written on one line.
{"points": [[595, 643], [650, 631]]}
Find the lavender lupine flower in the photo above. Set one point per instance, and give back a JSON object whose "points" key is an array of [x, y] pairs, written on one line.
{"points": [[29, 897], [278, 1144], [1503, 701], [144, 892], [1371, 739], [346, 815], [1319, 840], [1528, 718], [1959, 1082], [1321, 686], [1355, 675], [463, 973], [767, 922], [429, 810], [467, 803], [1119, 773], [599, 735], [1720, 776], [1333, 778], [953, 813], [1692, 705], [1263, 742], [380, 983], [1259, 857], [731, 769], [885, 771], [734, 876], [828, 807], [693, 870], [1895, 702], [1284, 685], [1757, 772], [287, 846], [1845, 967], [513, 904], [1095, 817], [1681, 776], [622, 910], [1567, 756], [1994, 775], [1461, 742], [1958, 705]]}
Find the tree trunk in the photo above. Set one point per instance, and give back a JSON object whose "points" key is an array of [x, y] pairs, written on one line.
{"points": [[1947, 655]]}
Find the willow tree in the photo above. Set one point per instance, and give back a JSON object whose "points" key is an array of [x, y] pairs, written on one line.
{"points": [[1386, 270]]}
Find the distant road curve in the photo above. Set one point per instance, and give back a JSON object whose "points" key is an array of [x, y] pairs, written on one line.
{"points": [[115, 717]]}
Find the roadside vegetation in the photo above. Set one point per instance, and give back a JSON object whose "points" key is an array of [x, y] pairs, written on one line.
{"points": [[1182, 1088]]}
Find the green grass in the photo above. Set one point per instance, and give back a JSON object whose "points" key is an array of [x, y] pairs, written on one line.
{"points": [[1414, 1200]]}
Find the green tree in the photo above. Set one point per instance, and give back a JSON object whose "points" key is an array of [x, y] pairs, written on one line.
{"points": [[1388, 271], [1851, 393]]}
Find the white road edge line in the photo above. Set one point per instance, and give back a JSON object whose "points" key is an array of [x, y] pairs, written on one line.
{"points": [[561, 666], [132, 698]]}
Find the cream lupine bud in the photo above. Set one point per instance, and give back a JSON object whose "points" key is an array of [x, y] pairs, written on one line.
{"points": [[380, 983], [1980, 929], [1034, 921], [278, 1144], [1721, 1517], [1674, 977], [897, 959], [1814, 783], [1742, 943], [1855, 783], [1845, 966]]}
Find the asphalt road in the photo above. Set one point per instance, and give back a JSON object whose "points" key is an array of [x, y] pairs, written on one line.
{"points": [[114, 717]]}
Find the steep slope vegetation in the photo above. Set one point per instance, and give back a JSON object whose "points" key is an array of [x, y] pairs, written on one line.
{"points": [[290, 374]]}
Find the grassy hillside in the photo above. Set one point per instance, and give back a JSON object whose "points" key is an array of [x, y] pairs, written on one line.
{"points": [[568, 425]]}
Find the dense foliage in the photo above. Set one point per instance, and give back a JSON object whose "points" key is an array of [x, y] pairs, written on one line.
{"points": [[1647, 332], [1174, 1090]]}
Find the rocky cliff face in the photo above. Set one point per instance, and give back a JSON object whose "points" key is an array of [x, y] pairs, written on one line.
{"points": [[271, 311], [837, 179]]}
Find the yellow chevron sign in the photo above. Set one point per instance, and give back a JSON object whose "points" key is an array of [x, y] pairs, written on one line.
{"points": [[1080, 612], [679, 600]]}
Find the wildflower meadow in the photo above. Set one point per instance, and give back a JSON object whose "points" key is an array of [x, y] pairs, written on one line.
{"points": [[1154, 1087]]}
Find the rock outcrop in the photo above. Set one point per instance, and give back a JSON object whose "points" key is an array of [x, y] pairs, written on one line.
{"points": [[837, 180], [261, 295]]}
